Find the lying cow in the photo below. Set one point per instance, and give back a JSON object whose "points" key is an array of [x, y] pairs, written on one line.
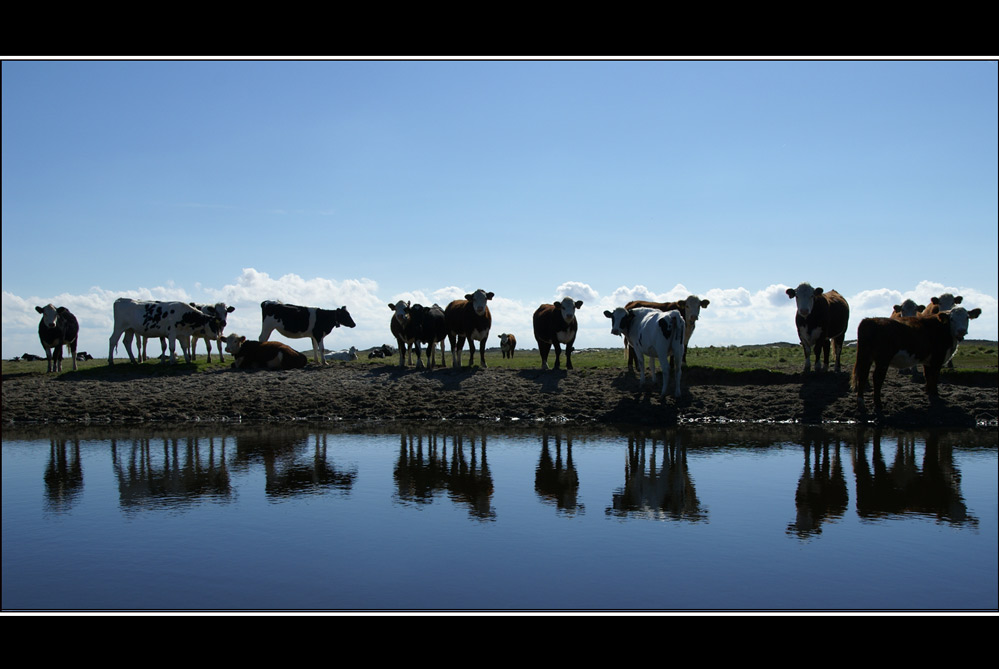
{"points": [[382, 351], [689, 308], [469, 319], [885, 342], [555, 324], [297, 322], [57, 328], [350, 354], [176, 321], [508, 343], [655, 333], [249, 354], [820, 317]]}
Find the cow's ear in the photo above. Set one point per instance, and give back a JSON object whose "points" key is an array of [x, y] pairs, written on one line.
{"points": [[489, 296], [935, 300], [608, 314], [468, 296], [897, 308], [579, 303], [39, 310], [974, 313], [959, 299], [818, 291], [790, 292], [705, 303], [230, 310], [921, 307], [558, 305]]}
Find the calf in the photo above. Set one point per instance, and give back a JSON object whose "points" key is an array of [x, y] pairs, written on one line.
{"points": [[176, 321], [819, 318], [658, 334], [404, 331], [248, 354], [469, 319], [886, 342], [297, 322], [689, 308], [555, 324], [57, 328], [507, 345]]}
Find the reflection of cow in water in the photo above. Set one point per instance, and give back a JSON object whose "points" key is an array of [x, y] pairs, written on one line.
{"points": [[191, 468], [63, 475], [554, 482], [421, 472], [822, 490], [664, 494], [903, 487]]}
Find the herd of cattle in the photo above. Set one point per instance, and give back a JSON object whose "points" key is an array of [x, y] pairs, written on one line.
{"points": [[913, 334]]}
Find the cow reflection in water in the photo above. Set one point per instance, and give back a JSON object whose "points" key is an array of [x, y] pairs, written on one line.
{"points": [[189, 470], [294, 464], [554, 482], [903, 487], [420, 473], [822, 490], [63, 475], [667, 494]]}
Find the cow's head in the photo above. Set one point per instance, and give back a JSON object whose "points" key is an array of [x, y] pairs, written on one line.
{"points": [[620, 320], [478, 300], [958, 318], [219, 311], [343, 317], [947, 301], [49, 314], [908, 308], [693, 306], [804, 296], [400, 310], [233, 342], [568, 309]]}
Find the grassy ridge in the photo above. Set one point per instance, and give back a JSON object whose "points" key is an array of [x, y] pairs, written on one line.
{"points": [[972, 356]]}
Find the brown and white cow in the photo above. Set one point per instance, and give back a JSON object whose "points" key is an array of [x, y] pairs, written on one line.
{"points": [[820, 317], [555, 324], [249, 354], [908, 309], [468, 319], [508, 343], [886, 342], [944, 302], [689, 308]]}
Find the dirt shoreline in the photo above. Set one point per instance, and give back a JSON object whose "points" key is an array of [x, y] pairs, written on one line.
{"points": [[344, 392]]}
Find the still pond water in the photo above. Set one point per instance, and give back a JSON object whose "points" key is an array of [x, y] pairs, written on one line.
{"points": [[289, 517]]}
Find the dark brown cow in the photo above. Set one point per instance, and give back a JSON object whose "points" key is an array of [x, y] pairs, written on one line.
{"points": [[820, 318], [689, 308], [468, 319], [907, 309], [57, 328], [904, 342], [249, 354], [404, 331], [555, 324], [508, 343]]}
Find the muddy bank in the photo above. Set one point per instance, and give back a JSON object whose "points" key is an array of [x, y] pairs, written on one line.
{"points": [[352, 392]]}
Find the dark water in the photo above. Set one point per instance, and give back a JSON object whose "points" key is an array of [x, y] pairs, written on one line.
{"points": [[304, 517]]}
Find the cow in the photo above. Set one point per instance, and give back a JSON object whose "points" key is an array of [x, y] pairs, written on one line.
{"points": [[382, 351], [431, 328], [350, 354], [689, 308], [907, 309], [820, 317], [249, 354], [555, 324], [57, 328], [176, 321], [944, 302], [219, 311], [927, 340], [508, 343], [403, 330], [658, 334], [468, 319], [297, 322]]}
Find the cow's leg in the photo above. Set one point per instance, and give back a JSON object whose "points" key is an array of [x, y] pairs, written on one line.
{"points": [[129, 335], [825, 355], [629, 352], [839, 350], [640, 361], [457, 344], [185, 347], [419, 354], [194, 346], [558, 354], [544, 347], [932, 374], [71, 347], [471, 352], [808, 356], [173, 347], [317, 347], [880, 372], [482, 349], [568, 356]]}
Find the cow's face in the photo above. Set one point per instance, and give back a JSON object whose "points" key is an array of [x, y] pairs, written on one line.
{"points": [[49, 314], [959, 318], [478, 300], [343, 318], [400, 309], [618, 317], [908, 309], [568, 309], [947, 301], [693, 306], [804, 297], [233, 342]]}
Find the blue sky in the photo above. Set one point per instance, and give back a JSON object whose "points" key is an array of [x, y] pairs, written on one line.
{"points": [[358, 183]]}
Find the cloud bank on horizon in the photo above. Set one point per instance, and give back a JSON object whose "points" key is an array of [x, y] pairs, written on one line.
{"points": [[735, 316]]}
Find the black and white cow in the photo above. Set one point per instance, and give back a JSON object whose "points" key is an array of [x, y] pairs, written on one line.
{"points": [[57, 328], [654, 333], [689, 308], [249, 354], [431, 329], [297, 322], [175, 321], [469, 319], [555, 324], [820, 317], [219, 311], [887, 342]]}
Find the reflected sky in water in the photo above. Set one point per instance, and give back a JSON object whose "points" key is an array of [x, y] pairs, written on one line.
{"points": [[297, 517]]}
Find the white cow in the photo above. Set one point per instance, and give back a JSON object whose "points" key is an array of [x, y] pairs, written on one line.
{"points": [[654, 333], [172, 320], [342, 355]]}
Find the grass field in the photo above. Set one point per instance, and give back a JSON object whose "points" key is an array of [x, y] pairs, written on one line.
{"points": [[972, 356]]}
